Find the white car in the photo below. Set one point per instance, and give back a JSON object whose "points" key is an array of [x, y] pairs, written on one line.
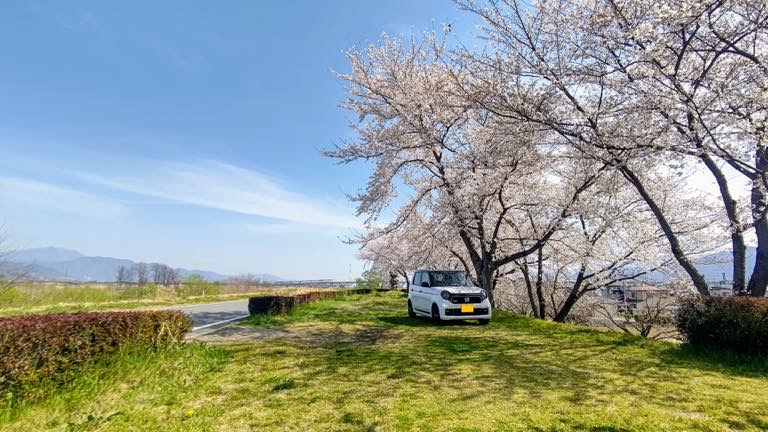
{"points": [[447, 295]]}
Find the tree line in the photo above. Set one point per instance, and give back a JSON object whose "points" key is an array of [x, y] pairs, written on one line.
{"points": [[143, 274], [567, 148]]}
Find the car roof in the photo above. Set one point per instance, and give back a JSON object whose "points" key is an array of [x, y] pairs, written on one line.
{"points": [[444, 270]]}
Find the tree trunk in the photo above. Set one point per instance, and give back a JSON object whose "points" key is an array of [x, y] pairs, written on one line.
{"points": [[487, 281], [404, 274], [529, 288], [759, 279], [572, 298], [539, 291], [739, 249], [677, 251]]}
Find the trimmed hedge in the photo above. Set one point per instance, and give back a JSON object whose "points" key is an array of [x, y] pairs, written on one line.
{"points": [[735, 323], [284, 304], [52, 347]]}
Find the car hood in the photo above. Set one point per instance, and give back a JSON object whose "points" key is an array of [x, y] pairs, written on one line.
{"points": [[460, 289]]}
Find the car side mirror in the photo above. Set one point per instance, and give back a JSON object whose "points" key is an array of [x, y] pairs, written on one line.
{"points": [[425, 284]]}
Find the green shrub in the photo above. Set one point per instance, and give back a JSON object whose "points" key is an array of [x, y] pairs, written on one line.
{"points": [[148, 291], [285, 304], [36, 349], [370, 280], [734, 323], [196, 285], [9, 296]]}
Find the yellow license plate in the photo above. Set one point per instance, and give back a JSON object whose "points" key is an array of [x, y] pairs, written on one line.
{"points": [[465, 308]]}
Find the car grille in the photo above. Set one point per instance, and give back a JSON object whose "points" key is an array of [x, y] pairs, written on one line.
{"points": [[465, 298], [458, 312]]}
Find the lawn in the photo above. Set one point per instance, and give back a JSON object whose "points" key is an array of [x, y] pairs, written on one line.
{"points": [[358, 363]]}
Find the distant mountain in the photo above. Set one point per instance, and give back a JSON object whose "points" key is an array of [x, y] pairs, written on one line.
{"points": [[46, 254], [57, 264], [722, 262], [713, 267], [101, 269]]}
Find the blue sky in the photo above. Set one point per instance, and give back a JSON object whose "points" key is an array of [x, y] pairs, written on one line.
{"points": [[187, 132]]}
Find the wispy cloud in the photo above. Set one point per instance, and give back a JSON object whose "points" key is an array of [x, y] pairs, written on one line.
{"points": [[54, 197], [227, 187], [279, 228]]}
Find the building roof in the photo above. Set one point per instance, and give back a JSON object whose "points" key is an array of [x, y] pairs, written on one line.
{"points": [[647, 288], [445, 270]]}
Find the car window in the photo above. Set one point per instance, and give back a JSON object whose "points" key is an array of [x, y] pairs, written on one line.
{"points": [[417, 278], [448, 278]]}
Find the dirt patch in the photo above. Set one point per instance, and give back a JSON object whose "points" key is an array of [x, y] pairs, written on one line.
{"points": [[322, 335], [235, 334]]}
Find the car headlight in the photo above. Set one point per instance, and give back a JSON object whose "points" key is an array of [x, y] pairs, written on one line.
{"points": [[483, 294], [445, 295]]}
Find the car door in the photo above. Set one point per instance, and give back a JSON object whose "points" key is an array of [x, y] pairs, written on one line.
{"points": [[417, 291], [413, 289], [429, 293]]}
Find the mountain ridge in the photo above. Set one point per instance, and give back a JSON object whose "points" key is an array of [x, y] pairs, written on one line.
{"points": [[66, 265]]}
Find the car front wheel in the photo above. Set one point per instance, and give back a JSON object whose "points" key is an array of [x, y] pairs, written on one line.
{"points": [[484, 321], [411, 313], [435, 313]]}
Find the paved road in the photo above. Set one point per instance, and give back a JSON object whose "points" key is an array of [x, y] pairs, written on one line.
{"points": [[210, 316]]}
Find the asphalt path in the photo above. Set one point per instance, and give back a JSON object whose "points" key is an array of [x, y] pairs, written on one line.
{"points": [[212, 316]]}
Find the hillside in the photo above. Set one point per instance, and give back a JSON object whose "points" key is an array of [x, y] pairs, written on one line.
{"points": [[721, 264]]}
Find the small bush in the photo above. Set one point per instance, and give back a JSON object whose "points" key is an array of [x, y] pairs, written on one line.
{"points": [[196, 285], [140, 292], [735, 323], [35, 349], [285, 304], [370, 280]]}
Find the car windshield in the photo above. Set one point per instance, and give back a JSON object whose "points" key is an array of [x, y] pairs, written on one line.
{"points": [[449, 278]]}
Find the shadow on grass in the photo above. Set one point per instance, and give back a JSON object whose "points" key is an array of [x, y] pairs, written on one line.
{"points": [[582, 372], [516, 356], [709, 359], [406, 321], [377, 309]]}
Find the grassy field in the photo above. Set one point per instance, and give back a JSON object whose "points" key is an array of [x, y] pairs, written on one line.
{"points": [[358, 363], [27, 298]]}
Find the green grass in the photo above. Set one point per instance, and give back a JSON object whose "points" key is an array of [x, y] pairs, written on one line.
{"points": [[128, 389], [358, 363]]}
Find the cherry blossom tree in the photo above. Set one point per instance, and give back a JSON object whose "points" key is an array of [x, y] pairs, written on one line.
{"points": [[631, 83], [453, 161], [613, 240], [418, 243], [556, 156], [651, 318], [699, 67]]}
